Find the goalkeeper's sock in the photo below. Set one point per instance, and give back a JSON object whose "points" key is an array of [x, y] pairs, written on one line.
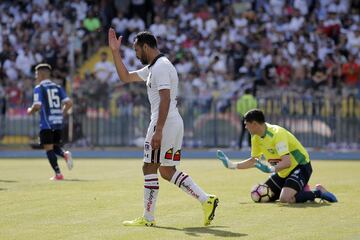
{"points": [[305, 196], [151, 189], [184, 181]]}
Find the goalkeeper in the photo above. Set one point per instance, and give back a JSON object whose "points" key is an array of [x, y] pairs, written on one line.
{"points": [[290, 165]]}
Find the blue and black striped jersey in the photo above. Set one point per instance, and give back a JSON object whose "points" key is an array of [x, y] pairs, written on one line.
{"points": [[50, 96]]}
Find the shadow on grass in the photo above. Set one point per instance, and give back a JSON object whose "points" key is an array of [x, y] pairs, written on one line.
{"points": [[256, 203], [306, 205], [8, 181], [294, 205], [76, 180], [198, 231], [3, 189]]}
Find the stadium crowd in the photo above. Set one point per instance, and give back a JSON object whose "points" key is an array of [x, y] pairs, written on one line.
{"points": [[217, 46]]}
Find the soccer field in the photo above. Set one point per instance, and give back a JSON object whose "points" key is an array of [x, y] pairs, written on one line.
{"points": [[99, 194]]}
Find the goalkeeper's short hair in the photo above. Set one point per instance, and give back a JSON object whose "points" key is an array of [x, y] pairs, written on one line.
{"points": [[254, 115]]}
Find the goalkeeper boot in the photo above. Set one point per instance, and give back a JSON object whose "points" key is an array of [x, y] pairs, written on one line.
{"points": [[138, 222], [68, 160], [209, 207], [324, 194]]}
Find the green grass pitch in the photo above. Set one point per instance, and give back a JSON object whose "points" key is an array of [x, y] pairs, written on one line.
{"points": [[99, 194]]}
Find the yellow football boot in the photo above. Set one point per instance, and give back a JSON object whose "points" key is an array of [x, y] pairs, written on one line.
{"points": [[209, 209], [138, 222]]}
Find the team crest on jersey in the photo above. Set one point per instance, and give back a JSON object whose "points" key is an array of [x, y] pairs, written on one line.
{"points": [[169, 154], [270, 150], [177, 155]]}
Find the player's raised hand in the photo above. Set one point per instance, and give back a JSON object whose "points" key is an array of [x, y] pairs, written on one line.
{"points": [[114, 42]]}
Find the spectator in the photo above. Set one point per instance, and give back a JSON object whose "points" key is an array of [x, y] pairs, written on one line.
{"points": [[245, 103], [120, 23], [350, 71], [353, 43], [158, 28], [25, 61], [251, 40], [10, 68], [61, 71], [104, 69], [91, 25], [91, 22], [14, 95], [136, 23], [2, 110], [283, 72], [319, 77]]}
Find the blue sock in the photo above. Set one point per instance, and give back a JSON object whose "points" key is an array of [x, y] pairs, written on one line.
{"points": [[53, 161], [58, 151]]}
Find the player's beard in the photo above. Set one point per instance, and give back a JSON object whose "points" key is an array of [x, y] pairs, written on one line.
{"points": [[144, 61], [143, 58]]}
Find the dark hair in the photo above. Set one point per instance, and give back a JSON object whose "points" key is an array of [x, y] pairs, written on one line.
{"points": [[146, 37], [247, 91], [254, 115]]}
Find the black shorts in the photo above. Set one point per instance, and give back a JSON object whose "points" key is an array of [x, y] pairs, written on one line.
{"points": [[50, 136], [296, 180]]}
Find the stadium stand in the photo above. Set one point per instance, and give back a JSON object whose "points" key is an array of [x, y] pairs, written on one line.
{"points": [[305, 48]]}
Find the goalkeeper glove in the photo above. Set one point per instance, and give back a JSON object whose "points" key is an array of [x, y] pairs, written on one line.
{"points": [[225, 160], [263, 167]]}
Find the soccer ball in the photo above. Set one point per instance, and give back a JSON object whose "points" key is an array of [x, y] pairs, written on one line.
{"points": [[261, 193]]}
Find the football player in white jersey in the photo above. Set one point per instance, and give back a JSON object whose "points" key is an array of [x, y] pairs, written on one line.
{"points": [[162, 147]]}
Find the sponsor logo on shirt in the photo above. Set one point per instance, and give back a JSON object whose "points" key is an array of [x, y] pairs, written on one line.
{"points": [[281, 147], [272, 151]]}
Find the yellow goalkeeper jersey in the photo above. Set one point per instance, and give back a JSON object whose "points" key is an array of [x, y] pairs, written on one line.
{"points": [[278, 142]]}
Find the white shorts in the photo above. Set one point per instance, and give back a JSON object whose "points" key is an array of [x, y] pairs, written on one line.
{"points": [[169, 153]]}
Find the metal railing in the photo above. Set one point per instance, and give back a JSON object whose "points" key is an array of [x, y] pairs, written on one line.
{"points": [[319, 123]]}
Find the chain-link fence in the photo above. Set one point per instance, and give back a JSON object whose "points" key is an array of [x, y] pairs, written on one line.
{"points": [[323, 122]]}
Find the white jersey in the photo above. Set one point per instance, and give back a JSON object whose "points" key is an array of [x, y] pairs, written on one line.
{"points": [[161, 74]]}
